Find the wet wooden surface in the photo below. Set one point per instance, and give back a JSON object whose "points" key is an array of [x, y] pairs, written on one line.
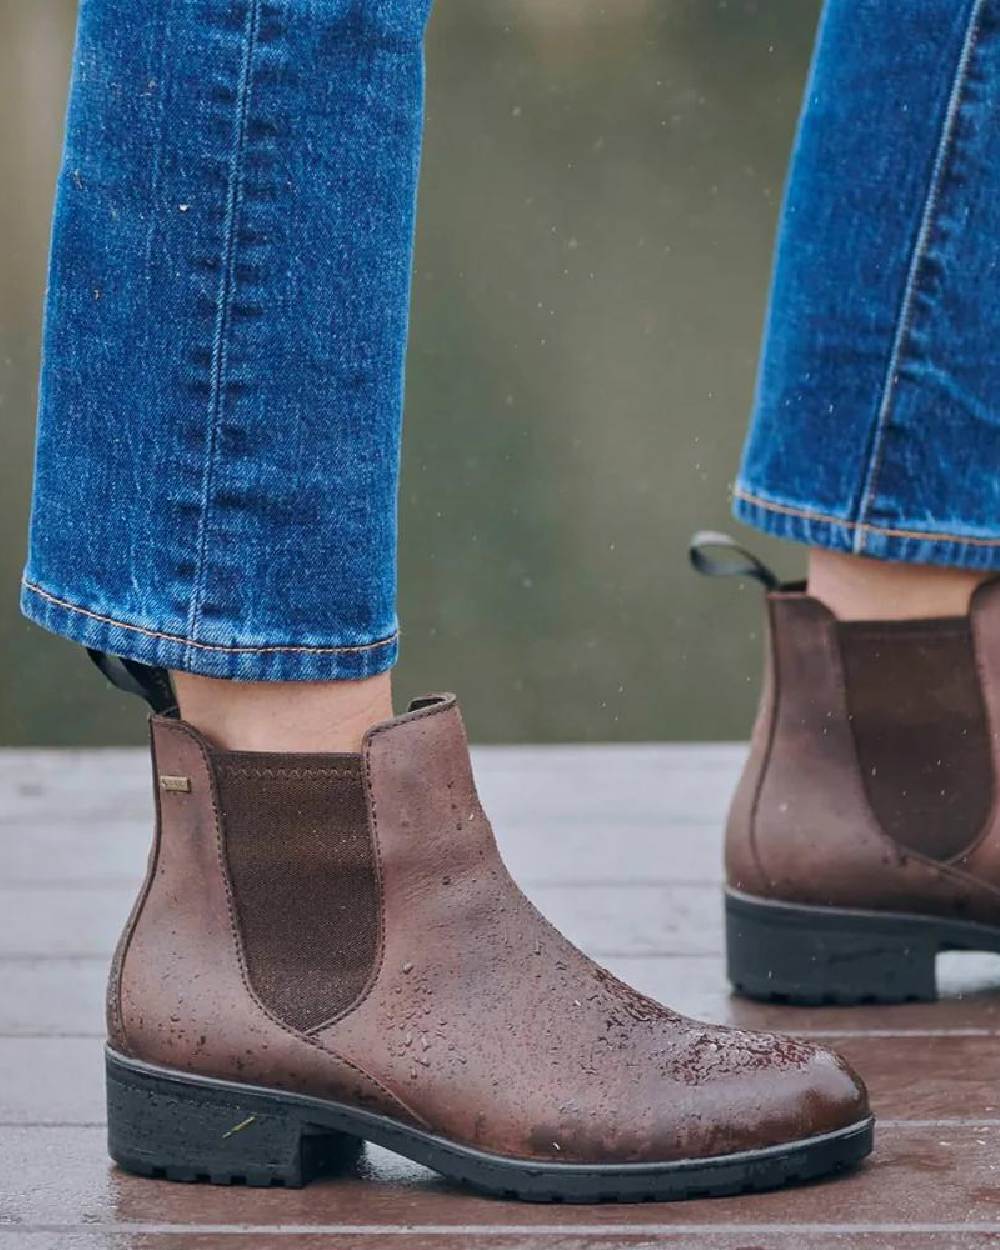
{"points": [[621, 846]]}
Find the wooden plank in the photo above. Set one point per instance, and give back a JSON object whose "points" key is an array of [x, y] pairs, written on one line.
{"points": [[941, 1078], [968, 985], [640, 783], [567, 851], [86, 817], [609, 922], [644, 919], [54, 996], [63, 921], [73, 787], [59, 853], [930, 1180], [484, 1238]]}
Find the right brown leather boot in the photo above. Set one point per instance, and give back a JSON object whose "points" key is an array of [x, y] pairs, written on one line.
{"points": [[328, 949], [864, 836]]}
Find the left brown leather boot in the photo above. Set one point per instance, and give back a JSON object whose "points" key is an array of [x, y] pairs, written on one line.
{"points": [[329, 948]]}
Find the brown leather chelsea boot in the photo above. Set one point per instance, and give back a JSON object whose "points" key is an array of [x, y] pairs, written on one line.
{"points": [[863, 837], [328, 949]]}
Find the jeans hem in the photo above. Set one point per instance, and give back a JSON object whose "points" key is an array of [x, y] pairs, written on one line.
{"points": [[799, 523], [236, 661]]}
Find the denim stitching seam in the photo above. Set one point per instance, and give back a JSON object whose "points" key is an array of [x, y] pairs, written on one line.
{"points": [[921, 244], [267, 649], [227, 286], [808, 514]]}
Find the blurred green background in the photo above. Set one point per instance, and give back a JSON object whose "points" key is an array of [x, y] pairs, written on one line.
{"points": [[600, 188]]}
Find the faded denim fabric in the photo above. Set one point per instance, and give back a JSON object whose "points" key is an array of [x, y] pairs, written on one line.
{"points": [[221, 391], [877, 421]]}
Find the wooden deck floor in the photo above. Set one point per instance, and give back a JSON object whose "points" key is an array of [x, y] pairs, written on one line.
{"points": [[637, 886]]}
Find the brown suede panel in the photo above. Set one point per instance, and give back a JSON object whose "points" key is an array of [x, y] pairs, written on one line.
{"points": [[920, 729], [304, 880]]}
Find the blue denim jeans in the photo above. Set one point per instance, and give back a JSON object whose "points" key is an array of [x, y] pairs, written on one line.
{"points": [[218, 438], [877, 420], [221, 391]]}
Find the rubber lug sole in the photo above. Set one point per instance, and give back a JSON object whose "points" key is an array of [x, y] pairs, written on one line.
{"points": [[180, 1127], [785, 952]]}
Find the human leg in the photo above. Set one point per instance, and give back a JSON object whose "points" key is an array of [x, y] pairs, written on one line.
{"points": [[862, 838]]}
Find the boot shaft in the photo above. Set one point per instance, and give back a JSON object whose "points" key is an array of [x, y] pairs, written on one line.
{"points": [[276, 881], [873, 752], [292, 840]]}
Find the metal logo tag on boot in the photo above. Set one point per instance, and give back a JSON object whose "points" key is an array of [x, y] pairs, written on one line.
{"points": [[181, 785]]}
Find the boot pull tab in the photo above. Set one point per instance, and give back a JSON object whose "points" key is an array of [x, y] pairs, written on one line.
{"points": [[718, 555], [151, 684]]}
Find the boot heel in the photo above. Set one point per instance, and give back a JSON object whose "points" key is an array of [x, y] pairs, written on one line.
{"points": [[796, 954], [176, 1129]]}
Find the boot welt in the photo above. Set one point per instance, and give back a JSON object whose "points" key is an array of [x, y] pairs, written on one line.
{"points": [[182, 1127], [811, 955]]}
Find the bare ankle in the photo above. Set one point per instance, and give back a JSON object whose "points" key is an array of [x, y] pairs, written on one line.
{"points": [[284, 716], [858, 588]]}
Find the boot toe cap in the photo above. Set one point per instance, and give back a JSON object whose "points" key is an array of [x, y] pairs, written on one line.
{"points": [[828, 1095], [806, 1091], [761, 1090]]}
